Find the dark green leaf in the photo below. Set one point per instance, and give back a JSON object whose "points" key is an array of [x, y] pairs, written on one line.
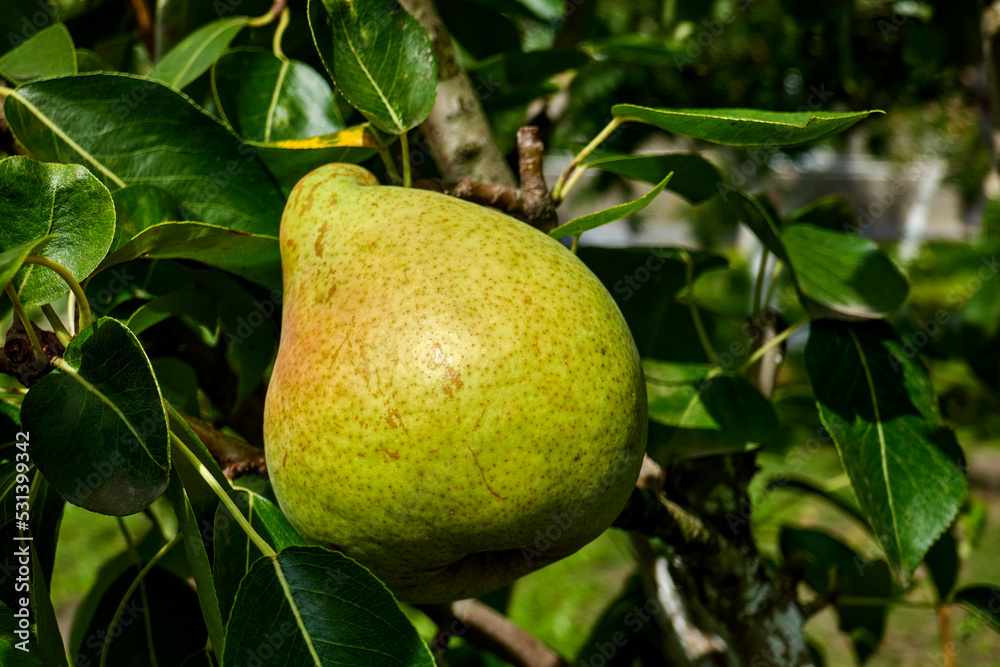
{"points": [[192, 302], [197, 556], [744, 127], [598, 218], [521, 69], [106, 395], [637, 49], [379, 56], [49, 53], [10, 656], [310, 606], [65, 201], [878, 404], [196, 52], [827, 559], [982, 601], [832, 213], [175, 624], [705, 413], [695, 178], [129, 130], [943, 563], [643, 283], [234, 552], [138, 207], [757, 216], [253, 256], [266, 99], [845, 505], [845, 273], [178, 383]]}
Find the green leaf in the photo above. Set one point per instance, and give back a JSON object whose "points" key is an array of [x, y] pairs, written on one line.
{"points": [[844, 273], [130, 130], [643, 283], [848, 506], [234, 552], [253, 256], [175, 626], [64, 201], [201, 569], [832, 213], [517, 69], [745, 127], [196, 52], [318, 607], [193, 302], [266, 99], [637, 49], [598, 218], [760, 220], [379, 56], [943, 564], [704, 412], [695, 178], [10, 656], [49, 53], [106, 395], [178, 383], [878, 404], [983, 602], [826, 561], [138, 207], [12, 259]]}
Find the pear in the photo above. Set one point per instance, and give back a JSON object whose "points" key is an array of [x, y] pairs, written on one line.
{"points": [[456, 400]]}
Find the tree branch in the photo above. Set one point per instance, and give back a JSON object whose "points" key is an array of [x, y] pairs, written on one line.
{"points": [[457, 131], [234, 456], [487, 628], [530, 203]]}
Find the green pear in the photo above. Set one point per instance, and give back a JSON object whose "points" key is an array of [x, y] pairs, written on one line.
{"points": [[457, 400]]}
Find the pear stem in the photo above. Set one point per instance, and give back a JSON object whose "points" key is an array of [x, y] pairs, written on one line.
{"points": [[68, 278], [404, 145], [390, 165]]}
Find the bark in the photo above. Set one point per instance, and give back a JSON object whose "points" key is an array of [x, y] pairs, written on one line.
{"points": [[457, 131]]}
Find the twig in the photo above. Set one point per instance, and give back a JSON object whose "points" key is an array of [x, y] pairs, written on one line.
{"points": [[17, 356], [530, 203], [277, 6], [489, 629], [143, 23], [234, 456]]}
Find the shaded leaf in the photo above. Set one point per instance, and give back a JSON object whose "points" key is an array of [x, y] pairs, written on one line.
{"points": [[695, 178], [517, 69], [253, 256], [829, 560], [197, 556], [266, 99], [11, 259], [234, 551], [704, 412], [832, 213], [106, 395], [744, 127], [195, 53], [878, 404], [48, 53], [310, 606], [982, 601], [62, 200], [138, 207], [130, 130], [845, 273], [943, 563], [379, 56], [598, 218]]}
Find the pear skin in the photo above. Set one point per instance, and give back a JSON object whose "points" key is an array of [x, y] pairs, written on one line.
{"points": [[456, 400]]}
